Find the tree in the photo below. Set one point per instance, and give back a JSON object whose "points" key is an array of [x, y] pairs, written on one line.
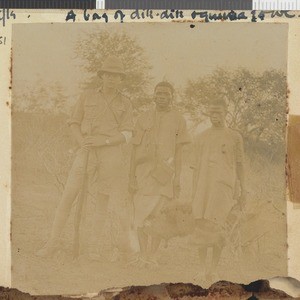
{"points": [[94, 48], [256, 104], [43, 97]]}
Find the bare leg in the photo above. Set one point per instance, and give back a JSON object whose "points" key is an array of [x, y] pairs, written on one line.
{"points": [[143, 241], [202, 252], [120, 233], [155, 243], [99, 220], [155, 239], [122, 239], [63, 210], [200, 276], [216, 255]]}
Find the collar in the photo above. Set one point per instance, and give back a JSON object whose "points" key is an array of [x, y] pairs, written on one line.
{"points": [[117, 99], [165, 110]]}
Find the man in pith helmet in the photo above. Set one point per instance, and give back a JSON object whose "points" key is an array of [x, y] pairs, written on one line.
{"points": [[101, 122]]}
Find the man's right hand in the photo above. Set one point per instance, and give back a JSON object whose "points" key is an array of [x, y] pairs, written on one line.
{"points": [[83, 145], [91, 141]]}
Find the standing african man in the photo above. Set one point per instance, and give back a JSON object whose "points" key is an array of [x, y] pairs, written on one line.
{"points": [[218, 169], [156, 162], [101, 121]]}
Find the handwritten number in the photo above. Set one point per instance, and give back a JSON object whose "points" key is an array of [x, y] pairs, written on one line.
{"points": [[6, 14], [2, 40], [12, 14]]}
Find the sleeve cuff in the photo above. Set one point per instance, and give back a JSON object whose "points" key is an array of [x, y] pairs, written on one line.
{"points": [[127, 135], [71, 122], [185, 140]]}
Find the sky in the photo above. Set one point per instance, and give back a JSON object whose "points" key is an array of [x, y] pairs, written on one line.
{"points": [[175, 51]]}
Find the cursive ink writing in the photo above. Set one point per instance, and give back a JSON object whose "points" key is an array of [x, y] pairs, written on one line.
{"points": [[172, 14], [232, 16], [279, 13], [95, 16], [119, 14], [141, 14], [71, 16]]}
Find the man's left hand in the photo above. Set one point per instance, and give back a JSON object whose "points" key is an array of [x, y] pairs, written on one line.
{"points": [[94, 141]]}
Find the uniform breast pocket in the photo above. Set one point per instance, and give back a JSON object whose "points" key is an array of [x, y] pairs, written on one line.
{"points": [[118, 114], [90, 111], [227, 151], [224, 148]]}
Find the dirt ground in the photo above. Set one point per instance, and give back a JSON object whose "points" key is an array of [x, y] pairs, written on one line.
{"points": [[257, 249]]}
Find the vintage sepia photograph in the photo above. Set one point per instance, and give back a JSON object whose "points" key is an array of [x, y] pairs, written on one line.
{"points": [[145, 153]]}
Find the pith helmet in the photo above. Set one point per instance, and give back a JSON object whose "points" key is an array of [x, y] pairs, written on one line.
{"points": [[112, 64]]}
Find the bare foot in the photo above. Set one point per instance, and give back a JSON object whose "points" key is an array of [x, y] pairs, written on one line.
{"points": [[115, 255], [141, 262], [200, 278], [211, 277]]}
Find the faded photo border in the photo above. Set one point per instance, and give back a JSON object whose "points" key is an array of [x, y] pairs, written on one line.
{"points": [[48, 16]]}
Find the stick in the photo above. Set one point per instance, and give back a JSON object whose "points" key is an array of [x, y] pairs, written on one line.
{"points": [[131, 201], [78, 213]]}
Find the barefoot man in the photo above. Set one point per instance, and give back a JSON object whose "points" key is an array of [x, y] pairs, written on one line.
{"points": [[101, 122], [217, 170], [155, 171]]}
